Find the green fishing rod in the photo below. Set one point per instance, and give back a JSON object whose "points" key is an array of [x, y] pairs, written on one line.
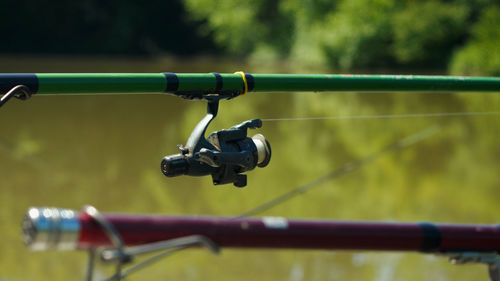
{"points": [[196, 85], [226, 154]]}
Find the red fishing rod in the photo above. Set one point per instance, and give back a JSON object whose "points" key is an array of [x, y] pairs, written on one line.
{"points": [[52, 228]]}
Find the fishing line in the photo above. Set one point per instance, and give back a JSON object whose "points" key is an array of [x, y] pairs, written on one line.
{"points": [[342, 170], [387, 116]]}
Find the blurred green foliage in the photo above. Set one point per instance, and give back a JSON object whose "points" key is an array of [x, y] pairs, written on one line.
{"points": [[482, 53], [359, 34], [425, 33], [460, 36]]}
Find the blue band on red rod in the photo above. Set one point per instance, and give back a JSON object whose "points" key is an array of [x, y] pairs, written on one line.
{"points": [[431, 237]]}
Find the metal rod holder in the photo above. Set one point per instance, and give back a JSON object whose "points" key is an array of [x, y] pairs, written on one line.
{"points": [[122, 255], [20, 92], [491, 259]]}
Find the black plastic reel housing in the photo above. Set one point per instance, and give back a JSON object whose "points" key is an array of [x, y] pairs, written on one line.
{"points": [[225, 154]]}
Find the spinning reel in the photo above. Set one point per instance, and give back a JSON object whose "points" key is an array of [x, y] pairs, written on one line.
{"points": [[225, 154]]}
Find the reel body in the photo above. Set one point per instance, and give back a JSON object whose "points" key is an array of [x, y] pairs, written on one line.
{"points": [[225, 154]]}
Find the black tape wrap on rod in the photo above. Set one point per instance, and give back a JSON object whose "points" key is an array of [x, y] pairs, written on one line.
{"points": [[250, 81], [172, 82], [219, 82]]}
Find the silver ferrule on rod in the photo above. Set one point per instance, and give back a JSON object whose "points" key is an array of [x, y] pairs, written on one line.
{"points": [[51, 228]]}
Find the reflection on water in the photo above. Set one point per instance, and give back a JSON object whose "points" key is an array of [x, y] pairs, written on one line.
{"points": [[106, 150]]}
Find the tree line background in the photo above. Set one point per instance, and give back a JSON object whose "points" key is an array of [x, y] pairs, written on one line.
{"points": [[454, 36]]}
